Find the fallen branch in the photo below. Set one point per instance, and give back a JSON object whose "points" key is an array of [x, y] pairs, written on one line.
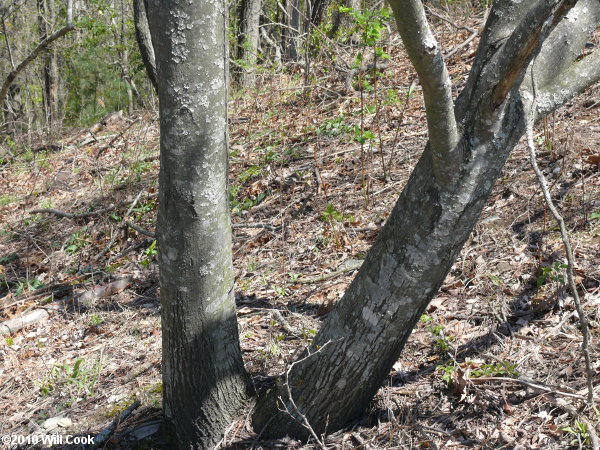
{"points": [[69, 215], [140, 229], [284, 323], [534, 385], [114, 238], [51, 290], [352, 265], [118, 136], [109, 430], [88, 297], [266, 226], [570, 265], [12, 325]]}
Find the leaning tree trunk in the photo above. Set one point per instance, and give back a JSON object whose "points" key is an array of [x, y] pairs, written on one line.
{"points": [[204, 382], [248, 42], [142, 35], [334, 381]]}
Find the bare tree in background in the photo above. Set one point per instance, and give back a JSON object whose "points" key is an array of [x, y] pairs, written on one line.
{"points": [[249, 41]]}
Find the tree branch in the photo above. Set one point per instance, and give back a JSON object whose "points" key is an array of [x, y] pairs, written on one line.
{"points": [[578, 77], [426, 56], [585, 345], [525, 42]]}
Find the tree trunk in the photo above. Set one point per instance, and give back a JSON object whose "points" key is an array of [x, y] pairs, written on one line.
{"points": [[334, 381], [204, 382], [342, 20], [142, 34], [46, 19], [248, 41], [124, 54], [291, 30], [317, 10]]}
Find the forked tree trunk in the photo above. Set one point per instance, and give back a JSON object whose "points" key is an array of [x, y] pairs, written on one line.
{"points": [[364, 335], [204, 382], [528, 64]]}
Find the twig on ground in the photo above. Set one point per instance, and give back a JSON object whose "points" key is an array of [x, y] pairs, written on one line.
{"points": [[69, 215], [305, 422], [570, 264], [532, 384], [266, 226], [118, 136], [12, 325], [353, 265], [114, 238], [140, 370], [284, 323], [140, 229], [109, 430]]}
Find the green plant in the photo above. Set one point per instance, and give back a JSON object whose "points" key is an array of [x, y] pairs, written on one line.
{"points": [[447, 371], [330, 215], [96, 320], [580, 431], [78, 380], [363, 136], [294, 276], [500, 369], [28, 285], [77, 241], [252, 266], [443, 343], [595, 215], [9, 258], [553, 273], [150, 253], [9, 340], [238, 206], [249, 173], [144, 208], [270, 155], [280, 291], [7, 199], [334, 127], [369, 24], [273, 348]]}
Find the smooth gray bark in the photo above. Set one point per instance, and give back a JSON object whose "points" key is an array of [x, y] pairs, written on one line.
{"points": [[249, 37], [204, 382], [364, 335], [426, 56]]}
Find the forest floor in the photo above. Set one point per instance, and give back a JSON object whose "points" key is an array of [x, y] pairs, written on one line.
{"points": [[494, 363]]}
